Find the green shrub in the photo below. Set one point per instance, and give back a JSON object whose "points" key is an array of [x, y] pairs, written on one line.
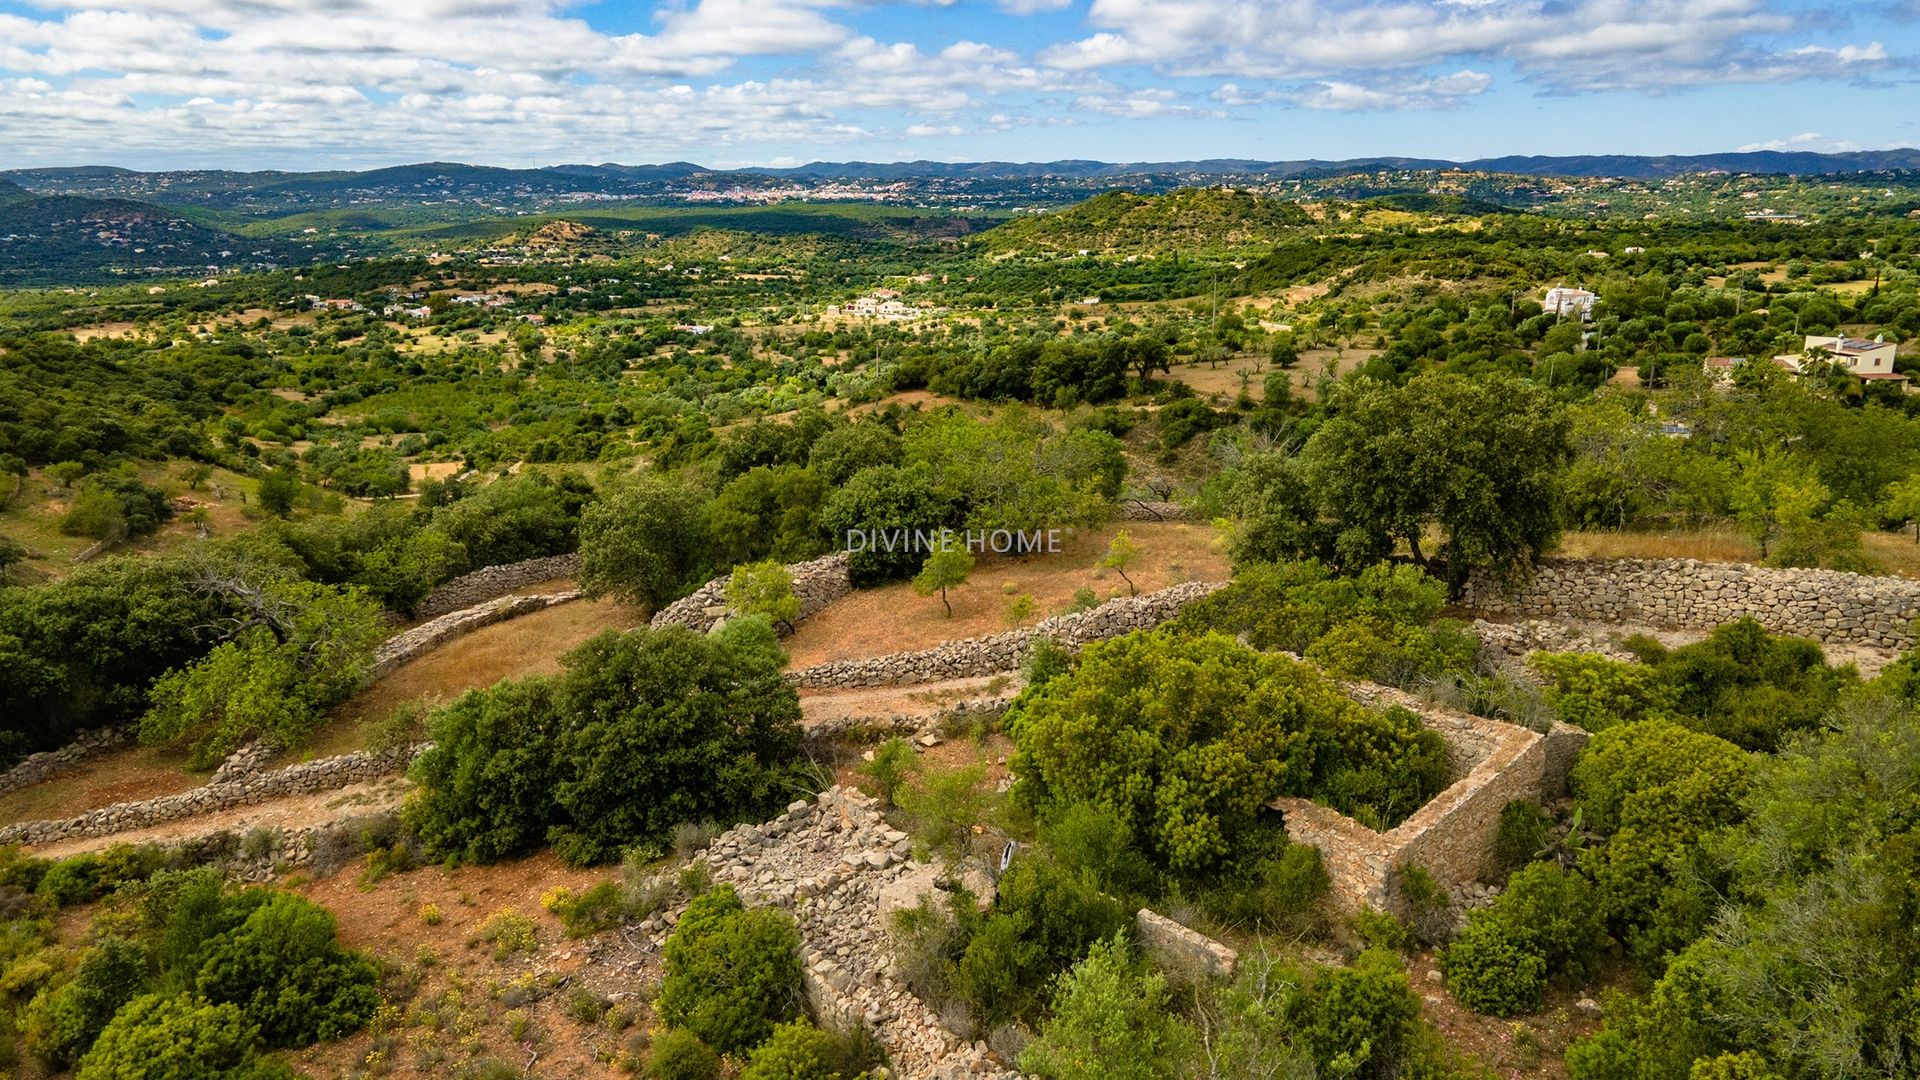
{"points": [[173, 1037], [1111, 1018], [1043, 920], [597, 909], [1521, 836], [1279, 893], [893, 762], [288, 974], [62, 1023], [1545, 925], [1361, 1021], [731, 973], [800, 1051], [678, 1054], [509, 932], [1096, 841], [1654, 789], [1490, 969], [1189, 739], [944, 806], [1592, 692]]}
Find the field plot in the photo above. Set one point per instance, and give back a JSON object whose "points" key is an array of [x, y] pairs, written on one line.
{"points": [[873, 622], [529, 645]]}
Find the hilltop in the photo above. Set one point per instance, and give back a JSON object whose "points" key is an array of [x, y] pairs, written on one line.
{"points": [[1120, 220], [70, 238]]}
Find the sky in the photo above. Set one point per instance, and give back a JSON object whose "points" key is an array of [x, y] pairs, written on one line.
{"points": [[318, 84]]}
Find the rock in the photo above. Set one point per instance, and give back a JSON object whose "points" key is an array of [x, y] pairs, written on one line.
{"points": [[1588, 1008]]}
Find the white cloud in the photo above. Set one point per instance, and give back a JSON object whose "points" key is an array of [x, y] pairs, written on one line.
{"points": [[1811, 141], [1435, 93], [1565, 45]]}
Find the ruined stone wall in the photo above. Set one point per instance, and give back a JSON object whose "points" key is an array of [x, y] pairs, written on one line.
{"points": [[325, 774], [816, 582], [828, 862], [1006, 651], [1685, 594], [1452, 835], [491, 581], [48, 763], [408, 644]]}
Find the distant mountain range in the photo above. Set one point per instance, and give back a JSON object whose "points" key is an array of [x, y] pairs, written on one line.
{"points": [[433, 181]]}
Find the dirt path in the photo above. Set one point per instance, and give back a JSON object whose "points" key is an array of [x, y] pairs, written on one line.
{"points": [[368, 796], [818, 706]]}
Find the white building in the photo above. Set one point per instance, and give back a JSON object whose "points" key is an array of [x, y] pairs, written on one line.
{"points": [[1563, 301]]}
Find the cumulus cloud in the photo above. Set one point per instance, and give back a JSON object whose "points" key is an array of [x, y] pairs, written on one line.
{"points": [[1811, 141], [1564, 45]]}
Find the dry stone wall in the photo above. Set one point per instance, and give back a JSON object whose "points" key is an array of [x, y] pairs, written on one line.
{"points": [[49, 763], [985, 708], [408, 644], [829, 862], [1180, 948], [1451, 837], [1007, 651], [325, 774], [491, 581], [816, 582], [1827, 605]]}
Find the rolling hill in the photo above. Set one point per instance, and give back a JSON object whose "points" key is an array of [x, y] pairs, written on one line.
{"points": [[1120, 221], [66, 238]]}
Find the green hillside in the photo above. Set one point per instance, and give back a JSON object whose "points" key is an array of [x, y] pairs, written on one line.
{"points": [[1187, 218]]}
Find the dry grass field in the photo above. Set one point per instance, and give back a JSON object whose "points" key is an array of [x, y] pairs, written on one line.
{"points": [[873, 622]]}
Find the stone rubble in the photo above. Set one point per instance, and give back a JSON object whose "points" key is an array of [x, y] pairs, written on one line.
{"points": [[828, 862]]}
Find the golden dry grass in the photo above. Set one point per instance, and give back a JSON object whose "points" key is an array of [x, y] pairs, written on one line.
{"points": [[873, 622], [1712, 543], [529, 645], [124, 775]]}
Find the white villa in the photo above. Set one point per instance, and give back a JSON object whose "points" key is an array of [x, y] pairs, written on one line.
{"points": [[1865, 359], [1563, 301]]}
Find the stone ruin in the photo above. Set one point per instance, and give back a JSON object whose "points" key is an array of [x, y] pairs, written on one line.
{"points": [[1451, 837]]}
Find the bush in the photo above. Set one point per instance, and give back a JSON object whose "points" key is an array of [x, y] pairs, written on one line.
{"points": [[1545, 925], [1275, 894], [173, 1037], [643, 731], [597, 909], [1189, 739], [1654, 789], [646, 541], [893, 762], [1043, 920], [62, 1023], [1521, 836], [288, 974], [1111, 1018], [731, 973], [678, 1054], [1098, 842], [1592, 692], [508, 932], [800, 1051], [942, 808]]}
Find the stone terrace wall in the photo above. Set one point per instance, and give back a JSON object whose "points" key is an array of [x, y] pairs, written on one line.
{"points": [[37, 767], [491, 581], [817, 582], [1452, 835], [1684, 594], [1007, 651], [408, 644], [324, 774]]}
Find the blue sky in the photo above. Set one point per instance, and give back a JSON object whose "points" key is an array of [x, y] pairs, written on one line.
{"points": [[357, 83]]}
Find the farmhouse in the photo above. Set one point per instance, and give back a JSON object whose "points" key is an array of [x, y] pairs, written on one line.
{"points": [[1563, 301], [1865, 359]]}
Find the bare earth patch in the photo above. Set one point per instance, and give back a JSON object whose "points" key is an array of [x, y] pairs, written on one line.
{"points": [[129, 774], [467, 985], [890, 619], [368, 796]]}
